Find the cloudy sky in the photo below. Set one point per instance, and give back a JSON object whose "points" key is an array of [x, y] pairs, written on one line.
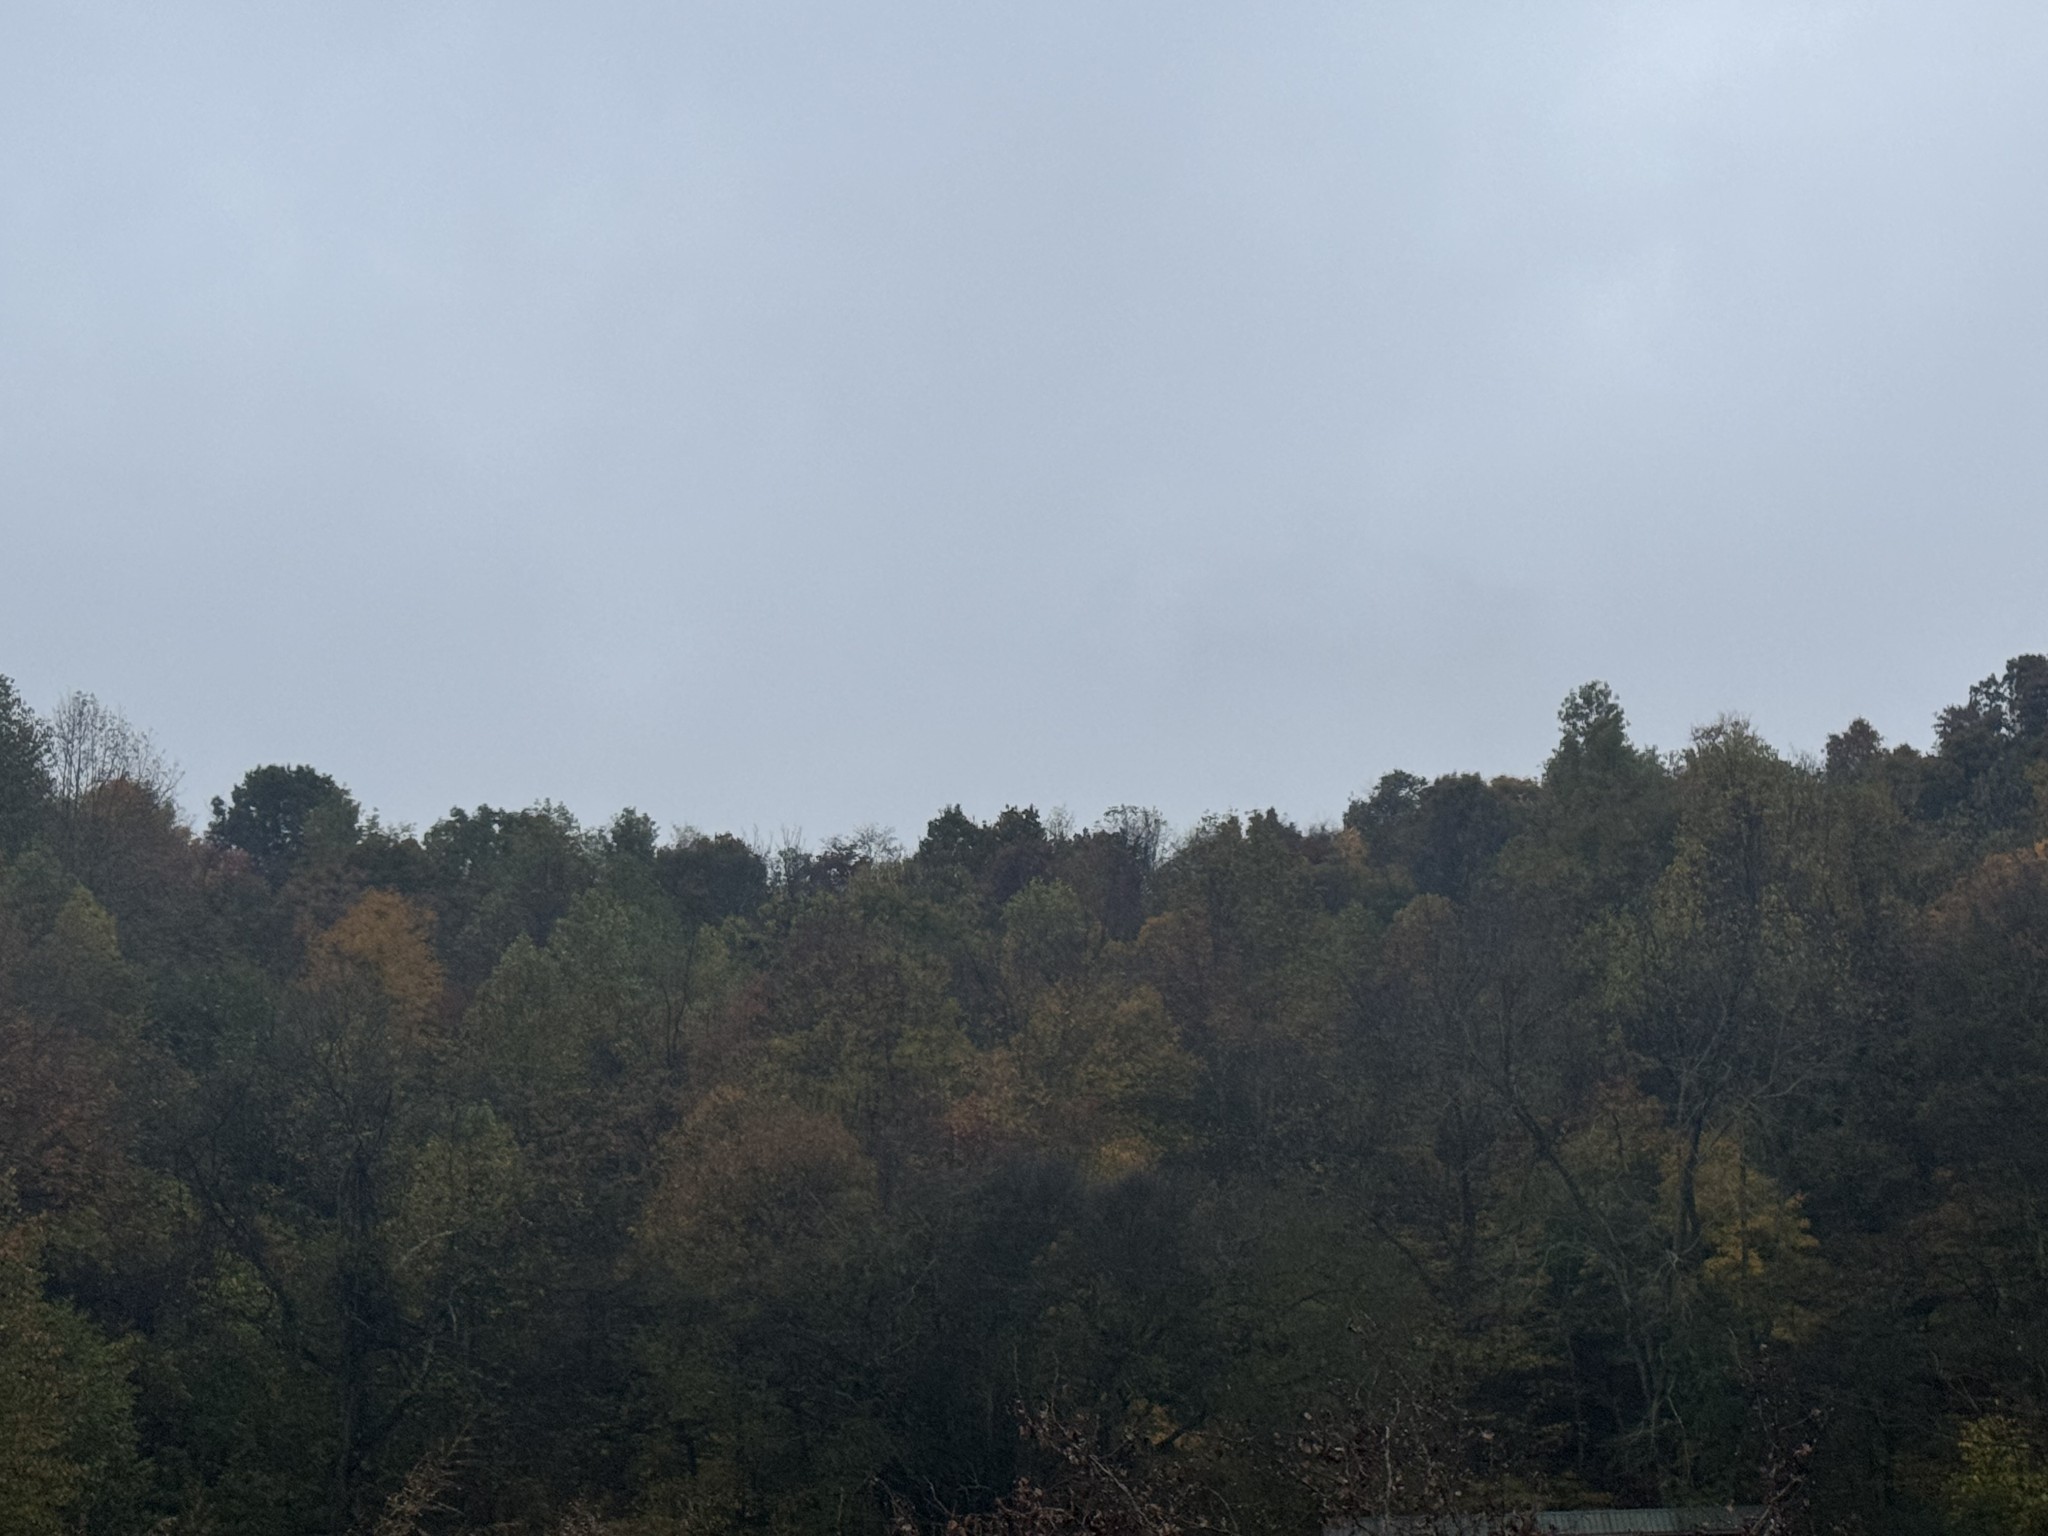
{"points": [[808, 415]]}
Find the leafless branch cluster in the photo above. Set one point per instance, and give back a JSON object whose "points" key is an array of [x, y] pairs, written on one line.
{"points": [[93, 745]]}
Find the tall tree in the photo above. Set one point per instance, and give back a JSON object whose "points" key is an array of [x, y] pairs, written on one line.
{"points": [[276, 814], [24, 771]]}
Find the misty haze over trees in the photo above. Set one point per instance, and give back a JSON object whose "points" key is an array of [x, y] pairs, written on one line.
{"points": [[1662, 1129]]}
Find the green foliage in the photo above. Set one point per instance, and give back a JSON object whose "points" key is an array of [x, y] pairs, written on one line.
{"points": [[501, 875], [278, 815], [712, 878], [66, 1441], [1563, 1139], [25, 784], [2002, 1484]]}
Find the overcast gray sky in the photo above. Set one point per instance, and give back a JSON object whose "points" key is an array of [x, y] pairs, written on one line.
{"points": [[775, 415]]}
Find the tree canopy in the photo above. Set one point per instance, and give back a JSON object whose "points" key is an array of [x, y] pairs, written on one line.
{"points": [[1666, 1128]]}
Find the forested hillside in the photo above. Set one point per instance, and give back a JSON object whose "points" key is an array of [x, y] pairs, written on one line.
{"points": [[1662, 1128]]}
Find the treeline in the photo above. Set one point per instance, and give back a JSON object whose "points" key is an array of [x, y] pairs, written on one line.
{"points": [[1663, 1129]]}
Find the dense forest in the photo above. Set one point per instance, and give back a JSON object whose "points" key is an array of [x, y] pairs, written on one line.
{"points": [[1666, 1128]]}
